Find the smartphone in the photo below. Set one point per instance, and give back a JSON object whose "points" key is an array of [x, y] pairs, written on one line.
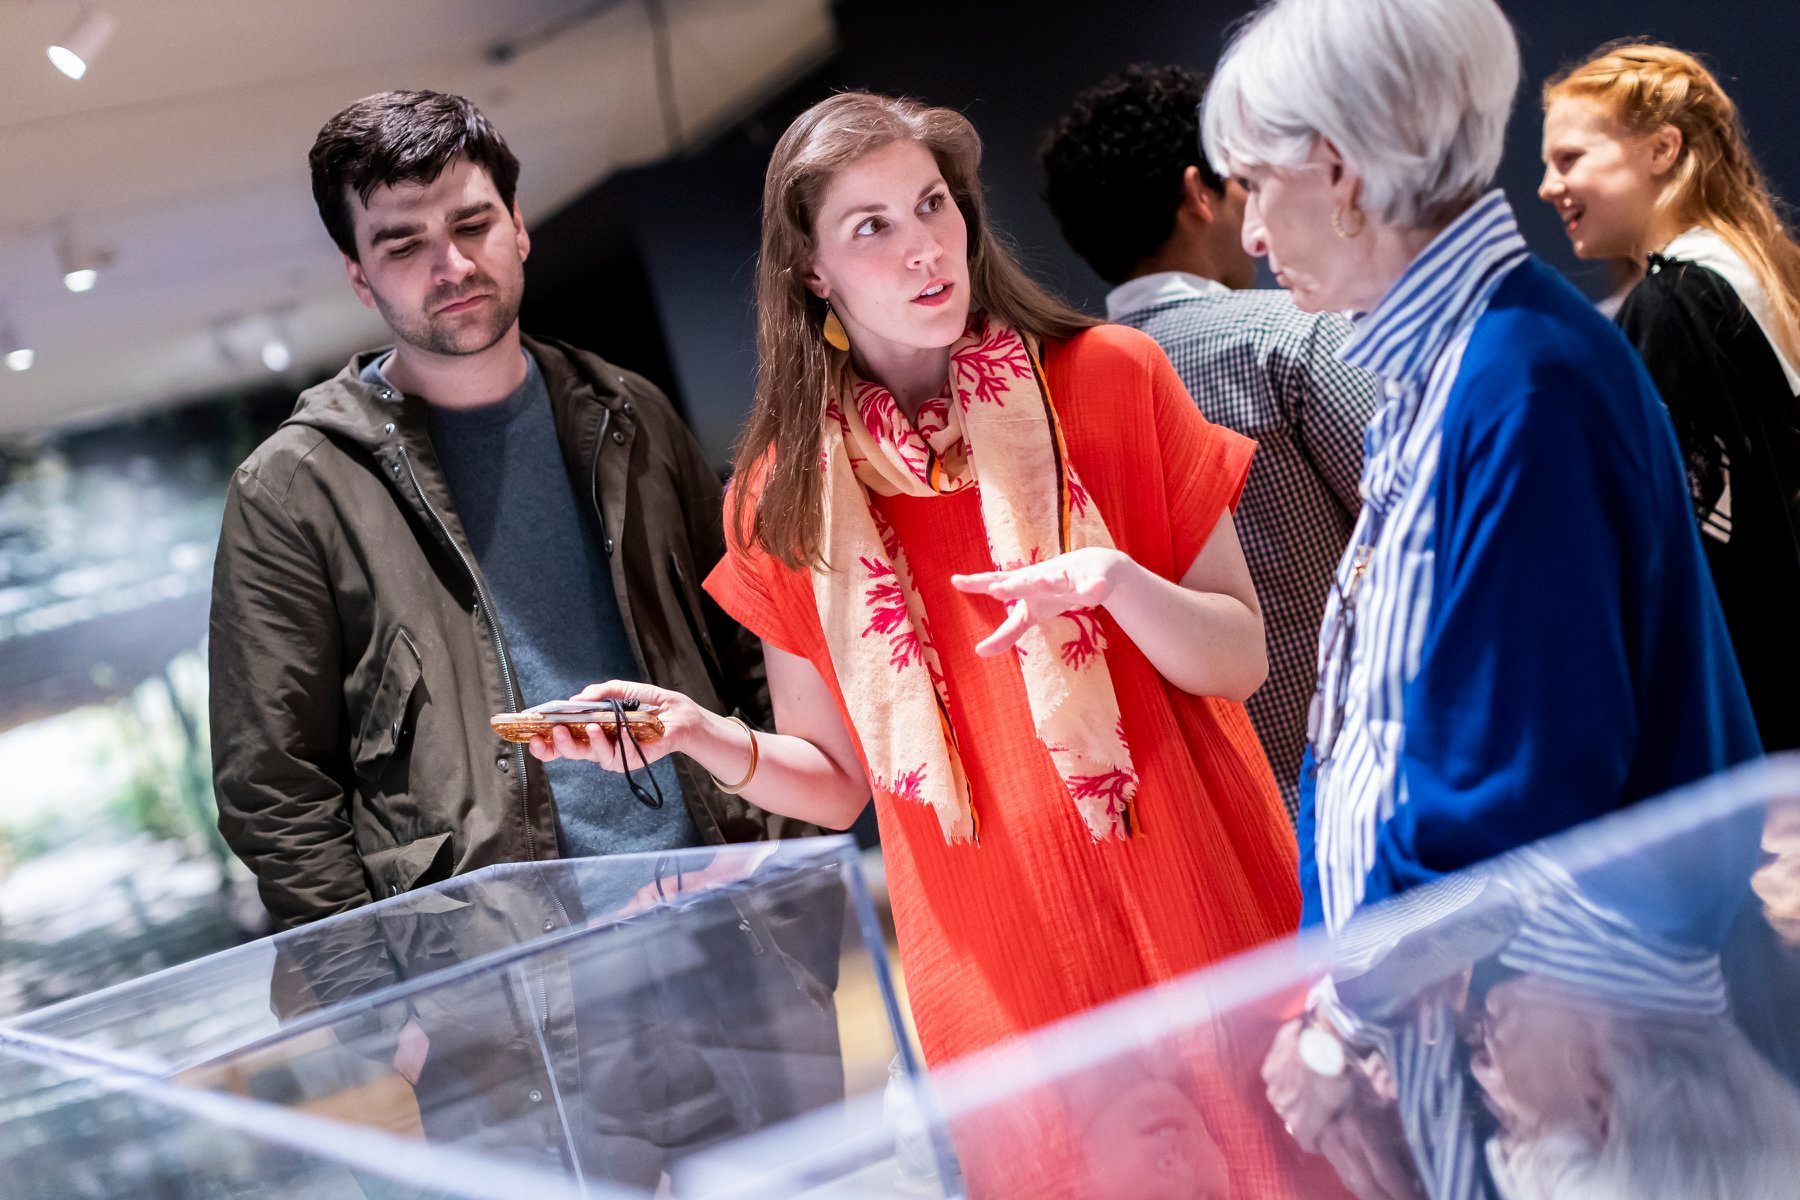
{"points": [[576, 716]]}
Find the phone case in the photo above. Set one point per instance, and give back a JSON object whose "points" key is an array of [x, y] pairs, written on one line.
{"points": [[646, 727]]}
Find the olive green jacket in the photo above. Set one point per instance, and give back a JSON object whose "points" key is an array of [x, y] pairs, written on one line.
{"points": [[356, 657]]}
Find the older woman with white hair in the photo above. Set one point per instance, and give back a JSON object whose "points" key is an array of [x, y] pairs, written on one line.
{"points": [[1522, 634]]}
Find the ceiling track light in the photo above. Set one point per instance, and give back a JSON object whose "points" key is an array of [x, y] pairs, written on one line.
{"points": [[81, 266], [86, 39], [13, 351]]}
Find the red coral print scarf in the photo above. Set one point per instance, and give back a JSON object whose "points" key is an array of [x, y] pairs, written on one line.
{"points": [[997, 427]]}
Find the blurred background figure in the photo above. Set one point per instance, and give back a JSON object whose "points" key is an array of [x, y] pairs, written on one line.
{"points": [[1135, 197], [1646, 161]]}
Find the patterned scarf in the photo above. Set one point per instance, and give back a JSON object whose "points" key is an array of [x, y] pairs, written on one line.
{"points": [[997, 428]]}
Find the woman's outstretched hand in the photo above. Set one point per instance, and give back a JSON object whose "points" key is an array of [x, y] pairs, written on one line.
{"points": [[1203, 633], [1035, 593]]}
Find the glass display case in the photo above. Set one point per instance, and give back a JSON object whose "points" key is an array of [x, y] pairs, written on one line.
{"points": [[590, 1022], [72, 1129], [1614, 1012]]}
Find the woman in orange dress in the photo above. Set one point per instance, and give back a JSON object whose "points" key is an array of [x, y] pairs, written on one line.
{"points": [[988, 546]]}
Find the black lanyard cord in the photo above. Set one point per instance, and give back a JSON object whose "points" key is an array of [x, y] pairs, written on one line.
{"points": [[653, 798]]}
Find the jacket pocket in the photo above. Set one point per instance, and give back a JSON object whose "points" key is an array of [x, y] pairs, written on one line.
{"points": [[384, 722], [409, 865]]}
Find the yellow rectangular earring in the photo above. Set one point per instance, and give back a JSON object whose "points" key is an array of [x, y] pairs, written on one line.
{"points": [[835, 334]]}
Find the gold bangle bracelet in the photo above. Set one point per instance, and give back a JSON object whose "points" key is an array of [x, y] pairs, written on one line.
{"points": [[733, 789]]}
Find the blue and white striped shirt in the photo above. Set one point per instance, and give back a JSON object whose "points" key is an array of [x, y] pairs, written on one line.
{"points": [[1413, 343]]}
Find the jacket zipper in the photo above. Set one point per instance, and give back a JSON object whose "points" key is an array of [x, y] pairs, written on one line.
{"points": [[481, 599], [512, 698], [606, 538], [606, 544]]}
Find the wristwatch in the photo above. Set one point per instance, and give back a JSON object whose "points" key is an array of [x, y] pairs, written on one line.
{"points": [[1321, 1050]]}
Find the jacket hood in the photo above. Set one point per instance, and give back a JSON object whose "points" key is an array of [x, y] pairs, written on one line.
{"points": [[349, 408]]}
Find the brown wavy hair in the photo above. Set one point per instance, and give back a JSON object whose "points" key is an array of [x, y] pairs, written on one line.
{"points": [[1716, 183], [795, 370]]}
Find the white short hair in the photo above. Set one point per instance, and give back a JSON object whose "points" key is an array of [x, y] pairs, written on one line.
{"points": [[1413, 93], [1696, 1112]]}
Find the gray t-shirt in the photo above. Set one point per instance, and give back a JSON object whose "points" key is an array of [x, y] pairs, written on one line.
{"points": [[538, 547]]}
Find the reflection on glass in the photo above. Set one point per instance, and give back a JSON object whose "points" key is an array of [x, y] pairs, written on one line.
{"points": [[1612, 1014], [592, 1022]]}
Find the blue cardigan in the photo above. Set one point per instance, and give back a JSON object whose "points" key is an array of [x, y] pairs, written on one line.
{"points": [[1575, 657]]}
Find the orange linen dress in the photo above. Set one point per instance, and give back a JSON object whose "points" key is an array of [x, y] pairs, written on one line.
{"points": [[1038, 921]]}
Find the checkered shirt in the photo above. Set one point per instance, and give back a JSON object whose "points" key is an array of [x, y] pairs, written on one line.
{"points": [[1255, 363]]}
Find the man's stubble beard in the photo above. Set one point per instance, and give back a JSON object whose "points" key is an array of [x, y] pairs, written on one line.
{"points": [[423, 332]]}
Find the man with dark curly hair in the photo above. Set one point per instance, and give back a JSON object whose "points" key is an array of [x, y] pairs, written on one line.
{"points": [[1134, 196]]}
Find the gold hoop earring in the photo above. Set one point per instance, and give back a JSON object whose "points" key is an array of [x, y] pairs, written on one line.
{"points": [[1337, 223], [836, 336]]}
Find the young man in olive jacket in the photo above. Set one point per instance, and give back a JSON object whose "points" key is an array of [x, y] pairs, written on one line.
{"points": [[469, 523]]}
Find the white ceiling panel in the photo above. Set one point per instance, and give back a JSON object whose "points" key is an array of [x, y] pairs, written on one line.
{"points": [[183, 154]]}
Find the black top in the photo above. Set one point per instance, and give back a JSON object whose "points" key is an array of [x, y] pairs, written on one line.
{"points": [[1739, 427]]}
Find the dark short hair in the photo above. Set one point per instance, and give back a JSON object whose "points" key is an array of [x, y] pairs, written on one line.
{"points": [[401, 137], [1113, 165]]}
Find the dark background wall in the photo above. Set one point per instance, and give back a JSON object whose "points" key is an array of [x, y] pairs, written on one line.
{"points": [[586, 283], [683, 236]]}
